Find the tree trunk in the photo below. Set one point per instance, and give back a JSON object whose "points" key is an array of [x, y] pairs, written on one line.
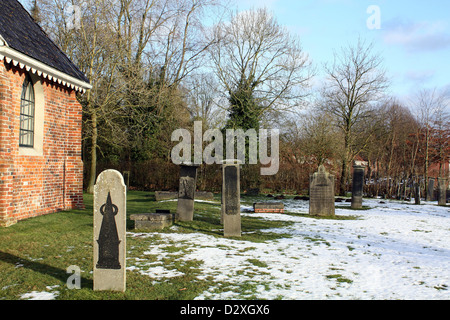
{"points": [[93, 171]]}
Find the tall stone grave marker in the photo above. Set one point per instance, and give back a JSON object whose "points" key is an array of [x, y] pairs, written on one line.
{"points": [[357, 186], [231, 198], [442, 200], [186, 192], [417, 192], [321, 193], [109, 232], [430, 191]]}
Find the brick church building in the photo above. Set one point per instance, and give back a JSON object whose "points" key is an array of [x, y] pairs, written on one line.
{"points": [[41, 168]]}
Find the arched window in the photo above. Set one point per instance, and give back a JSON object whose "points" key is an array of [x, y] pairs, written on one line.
{"points": [[27, 106]]}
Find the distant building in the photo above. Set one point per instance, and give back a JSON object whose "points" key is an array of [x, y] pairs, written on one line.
{"points": [[41, 169], [433, 170]]}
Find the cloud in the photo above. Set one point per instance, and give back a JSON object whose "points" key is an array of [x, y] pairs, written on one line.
{"points": [[417, 36], [419, 77]]}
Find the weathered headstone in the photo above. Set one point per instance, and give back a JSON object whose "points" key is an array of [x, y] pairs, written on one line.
{"points": [[357, 186], [321, 193], [416, 192], [268, 207], [442, 200], [231, 198], [186, 192], [110, 232], [430, 191]]}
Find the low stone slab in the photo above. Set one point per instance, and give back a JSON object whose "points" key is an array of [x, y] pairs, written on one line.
{"points": [[165, 195], [268, 207], [204, 195], [152, 221], [169, 195]]}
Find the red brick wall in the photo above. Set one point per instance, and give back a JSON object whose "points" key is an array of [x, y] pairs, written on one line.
{"points": [[36, 185]]}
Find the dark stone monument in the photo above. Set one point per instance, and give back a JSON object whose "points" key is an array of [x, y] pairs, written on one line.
{"points": [[416, 192], [321, 193], [442, 199], [430, 191], [231, 199], [186, 192], [109, 232], [357, 186]]}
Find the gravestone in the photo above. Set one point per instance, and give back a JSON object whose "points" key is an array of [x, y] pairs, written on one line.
{"points": [[442, 199], [416, 192], [430, 191], [231, 198], [186, 192], [321, 193], [109, 232], [268, 207], [357, 186]]}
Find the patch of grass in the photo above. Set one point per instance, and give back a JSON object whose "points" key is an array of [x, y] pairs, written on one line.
{"points": [[35, 253], [339, 278], [356, 209], [425, 231], [336, 217], [258, 263]]}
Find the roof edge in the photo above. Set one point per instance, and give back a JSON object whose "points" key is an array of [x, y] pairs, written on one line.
{"points": [[30, 64]]}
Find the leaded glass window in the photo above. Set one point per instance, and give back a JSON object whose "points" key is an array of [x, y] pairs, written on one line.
{"points": [[27, 104]]}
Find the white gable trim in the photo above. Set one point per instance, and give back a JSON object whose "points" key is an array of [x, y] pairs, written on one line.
{"points": [[29, 64]]}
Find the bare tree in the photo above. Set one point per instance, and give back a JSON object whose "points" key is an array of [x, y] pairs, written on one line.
{"points": [[136, 54], [431, 105], [356, 81], [202, 96], [260, 64], [320, 140]]}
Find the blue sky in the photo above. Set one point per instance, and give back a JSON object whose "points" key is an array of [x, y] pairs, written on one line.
{"points": [[413, 39]]}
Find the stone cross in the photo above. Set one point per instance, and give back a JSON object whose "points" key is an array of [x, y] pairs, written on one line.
{"points": [[231, 198], [430, 191], [109, 232], [442, 200], [357, 186], [186, 192], [321, 193]]}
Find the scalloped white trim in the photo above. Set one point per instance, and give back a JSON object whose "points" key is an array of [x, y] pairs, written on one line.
{"points": [[29, 64]]}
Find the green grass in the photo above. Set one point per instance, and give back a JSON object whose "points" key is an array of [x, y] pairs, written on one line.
{"points": [[35, 253], [363, 208]]}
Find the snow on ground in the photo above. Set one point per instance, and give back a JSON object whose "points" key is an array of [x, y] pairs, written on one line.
{"points": [[392, 251], [42, 295]]}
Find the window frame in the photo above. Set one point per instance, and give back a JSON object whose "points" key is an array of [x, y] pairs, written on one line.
{"points": [[27, 114]]}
